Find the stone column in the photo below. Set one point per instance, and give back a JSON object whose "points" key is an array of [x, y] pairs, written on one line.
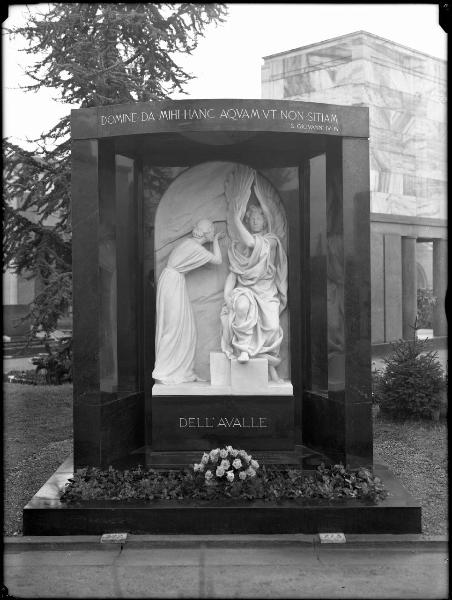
{"points": [[439, 286], [393, 286], [409, 286], [377, 287]]}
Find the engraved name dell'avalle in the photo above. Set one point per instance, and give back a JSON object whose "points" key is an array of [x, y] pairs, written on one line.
{"points": [[214, 422]]}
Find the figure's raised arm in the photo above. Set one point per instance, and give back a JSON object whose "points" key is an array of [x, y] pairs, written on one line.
{"points": [[217, 259], [238, 190], [243, 232]]}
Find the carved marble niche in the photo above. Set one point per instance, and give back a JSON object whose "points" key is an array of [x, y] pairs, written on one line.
{"points": [[196, 194]]}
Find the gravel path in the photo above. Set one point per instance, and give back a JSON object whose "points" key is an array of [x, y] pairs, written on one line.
{"points": [[416, 452]]}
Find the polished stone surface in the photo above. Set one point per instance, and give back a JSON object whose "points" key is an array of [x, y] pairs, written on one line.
{"points": [[86, 294], [317, 289], [300, 456], [106, 422], [337, 413], [195, 422], [108, 274], [85, 216], [356, 277], [108, 410], [194, 117], [46, 515], [127, 222]]}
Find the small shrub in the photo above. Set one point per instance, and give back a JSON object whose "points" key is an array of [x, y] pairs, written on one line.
{"points": [[51, 368], [411, 383], [56, 364], [425, 303]]}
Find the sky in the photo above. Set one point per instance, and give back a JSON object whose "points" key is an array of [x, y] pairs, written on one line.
{"points": [[227, 62]]}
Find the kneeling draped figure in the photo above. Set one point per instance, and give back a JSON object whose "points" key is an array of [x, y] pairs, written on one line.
{"points": [[175, 339]]}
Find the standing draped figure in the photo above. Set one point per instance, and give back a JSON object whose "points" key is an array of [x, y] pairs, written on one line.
{"points": [[255, 291], [175, 339]]}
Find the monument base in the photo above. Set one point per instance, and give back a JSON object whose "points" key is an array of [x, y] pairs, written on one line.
{"points": [[46, 515], [229, 377], [204, 388], [300, 457]]}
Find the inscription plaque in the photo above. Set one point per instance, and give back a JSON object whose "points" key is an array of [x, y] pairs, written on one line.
{"points": [[220, 115], [193, 423]]}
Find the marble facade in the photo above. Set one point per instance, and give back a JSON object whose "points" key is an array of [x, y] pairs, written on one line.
{"points": [[405, 91]]}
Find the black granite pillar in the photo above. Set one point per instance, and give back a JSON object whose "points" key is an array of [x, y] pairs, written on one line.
{"points": [[86, 302], [355, 211], [108, 414], [318, 325], [108, 272], [129, 271], [338, 420]]}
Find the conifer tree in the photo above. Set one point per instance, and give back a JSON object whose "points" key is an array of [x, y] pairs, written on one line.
{"points": [[90, 55]]}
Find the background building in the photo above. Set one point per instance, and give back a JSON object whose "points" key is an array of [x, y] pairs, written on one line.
{"points": [[405, 91], [18, 293]]}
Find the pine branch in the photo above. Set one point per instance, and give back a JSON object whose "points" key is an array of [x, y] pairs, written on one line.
{"points": [[93, 54]]}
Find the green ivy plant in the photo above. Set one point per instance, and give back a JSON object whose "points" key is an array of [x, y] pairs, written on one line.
{"points": [[271, 484]]}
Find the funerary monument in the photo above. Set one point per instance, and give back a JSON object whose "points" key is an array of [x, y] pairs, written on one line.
{"points": [[221, 281], [221, 297]]}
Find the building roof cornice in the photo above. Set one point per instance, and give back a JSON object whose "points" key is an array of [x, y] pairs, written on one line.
{"points": [[349, 36]]}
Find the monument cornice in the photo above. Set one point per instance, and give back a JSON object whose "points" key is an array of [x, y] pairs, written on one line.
{"points": [[207, 115]]}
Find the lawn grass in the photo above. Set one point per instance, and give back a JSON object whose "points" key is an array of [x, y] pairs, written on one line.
{"points": [[34, 417], [38, 437]]}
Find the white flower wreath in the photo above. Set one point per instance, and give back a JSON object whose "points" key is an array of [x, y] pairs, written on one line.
{"points": [[226, 463]]}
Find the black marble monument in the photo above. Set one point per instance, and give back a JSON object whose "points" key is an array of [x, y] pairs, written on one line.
{"points": [[317, 157]]}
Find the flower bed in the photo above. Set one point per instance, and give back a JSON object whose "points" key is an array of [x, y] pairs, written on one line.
{"points": [[223, 474]]}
